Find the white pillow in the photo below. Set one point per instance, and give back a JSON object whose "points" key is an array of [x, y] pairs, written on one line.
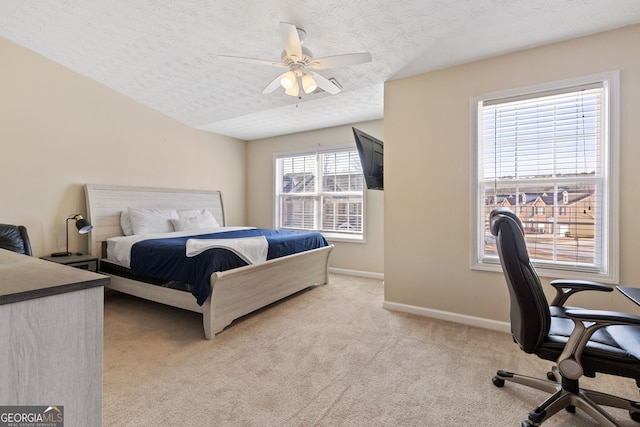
{"points": [[204, 216], [125, 223], [146, 221], [184, 224]]}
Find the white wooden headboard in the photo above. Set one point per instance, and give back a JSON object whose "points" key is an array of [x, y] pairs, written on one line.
{"points": [[105, 202]]}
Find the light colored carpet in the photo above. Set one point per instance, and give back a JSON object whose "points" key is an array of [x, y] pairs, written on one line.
{"points": [[329, 356]]}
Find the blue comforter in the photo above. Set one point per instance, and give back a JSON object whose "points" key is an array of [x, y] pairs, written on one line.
{"points": [[166, 258]]}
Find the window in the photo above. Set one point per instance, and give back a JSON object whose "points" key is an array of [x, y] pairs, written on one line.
{"points": [[321, 191], [549, 153]]}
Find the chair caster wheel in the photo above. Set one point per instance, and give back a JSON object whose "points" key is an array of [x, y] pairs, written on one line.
{"points": [[498, 382], [635, 416], [537, 416], [527, 423]]}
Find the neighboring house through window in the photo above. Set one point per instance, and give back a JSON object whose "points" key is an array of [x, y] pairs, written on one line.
{"points": [[550, 154], [321, 190]]}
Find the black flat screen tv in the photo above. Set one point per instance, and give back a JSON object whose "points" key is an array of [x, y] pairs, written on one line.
{"points": [[371, 154]]}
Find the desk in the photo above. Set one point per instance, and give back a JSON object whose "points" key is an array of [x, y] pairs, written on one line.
{"points": [[632, 293], [51, 328]]}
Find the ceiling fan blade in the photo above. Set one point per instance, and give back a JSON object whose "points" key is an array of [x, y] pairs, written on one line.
{"points": [[291, 39], [253, 61], [324, 83], [275, 84], [340, 60]]}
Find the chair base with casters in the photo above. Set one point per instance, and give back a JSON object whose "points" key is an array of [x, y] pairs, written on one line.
{"points": [[567, 394], [581, 342]]}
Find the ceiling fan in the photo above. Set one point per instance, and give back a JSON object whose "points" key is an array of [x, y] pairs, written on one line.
{"points": [[300, 64]]}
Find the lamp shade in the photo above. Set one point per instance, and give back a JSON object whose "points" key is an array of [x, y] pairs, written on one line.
{"points": [[83, 225], [288, 80], [293, 91], [308, 83]]}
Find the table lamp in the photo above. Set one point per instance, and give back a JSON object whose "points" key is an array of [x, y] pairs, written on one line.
{"points": [[83, 227]]}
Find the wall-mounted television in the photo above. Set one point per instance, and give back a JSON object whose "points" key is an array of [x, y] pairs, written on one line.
{"points": [[371, 154]]}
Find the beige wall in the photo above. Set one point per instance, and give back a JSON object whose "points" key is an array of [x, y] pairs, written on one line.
{"points": [[361, 257], [427, 172], [59, 130]]}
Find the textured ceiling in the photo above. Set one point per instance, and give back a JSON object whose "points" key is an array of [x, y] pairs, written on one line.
{"points": [[164, 53]]}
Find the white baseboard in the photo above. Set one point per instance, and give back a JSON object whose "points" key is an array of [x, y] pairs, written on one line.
{"points": [[449, 316], [367, 274], [429, 312]]}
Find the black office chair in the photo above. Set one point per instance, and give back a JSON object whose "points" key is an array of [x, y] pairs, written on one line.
{"points": [[581, 342], [15, 238]]}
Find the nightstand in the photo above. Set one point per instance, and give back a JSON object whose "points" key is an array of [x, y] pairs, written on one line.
{"points": [[84, 262]]}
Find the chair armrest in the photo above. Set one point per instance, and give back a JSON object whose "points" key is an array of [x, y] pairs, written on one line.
{"points": [[586, 323], [603, 317], [566, 288]]}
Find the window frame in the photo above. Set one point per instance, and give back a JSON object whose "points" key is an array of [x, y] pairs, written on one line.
{"points": [[610, 258], [334, 236]]}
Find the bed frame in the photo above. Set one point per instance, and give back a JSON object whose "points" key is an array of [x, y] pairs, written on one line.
{"points": [[236, 292]]}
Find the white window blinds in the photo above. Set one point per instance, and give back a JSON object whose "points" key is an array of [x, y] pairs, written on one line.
{"points": [[545, 156], [321, 191], [549, 136]]}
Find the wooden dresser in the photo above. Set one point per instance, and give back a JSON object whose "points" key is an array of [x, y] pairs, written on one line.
{"points": [[51, 330]]}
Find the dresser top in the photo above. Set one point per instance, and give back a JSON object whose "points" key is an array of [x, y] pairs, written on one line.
{"points": [[23, 277]]}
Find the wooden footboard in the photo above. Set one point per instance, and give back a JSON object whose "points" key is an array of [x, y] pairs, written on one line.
{"points": [[242, 290]]}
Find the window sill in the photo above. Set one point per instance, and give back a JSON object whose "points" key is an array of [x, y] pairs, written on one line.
{"points": [[553, 273], [343, 238]]}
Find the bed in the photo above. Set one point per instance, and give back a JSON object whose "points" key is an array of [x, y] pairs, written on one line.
{"points": [[232, 293]]}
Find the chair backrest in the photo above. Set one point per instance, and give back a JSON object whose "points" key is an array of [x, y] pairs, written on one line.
{"points": [[15, 238], [530, 315]]}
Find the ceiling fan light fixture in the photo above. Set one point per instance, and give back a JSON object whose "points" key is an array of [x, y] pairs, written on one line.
{"points": [[308, 83], [288, 80], [293, 91], [297, 62]]}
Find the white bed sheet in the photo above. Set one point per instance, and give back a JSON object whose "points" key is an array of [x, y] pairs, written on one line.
{"points": [[119, 247]]}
